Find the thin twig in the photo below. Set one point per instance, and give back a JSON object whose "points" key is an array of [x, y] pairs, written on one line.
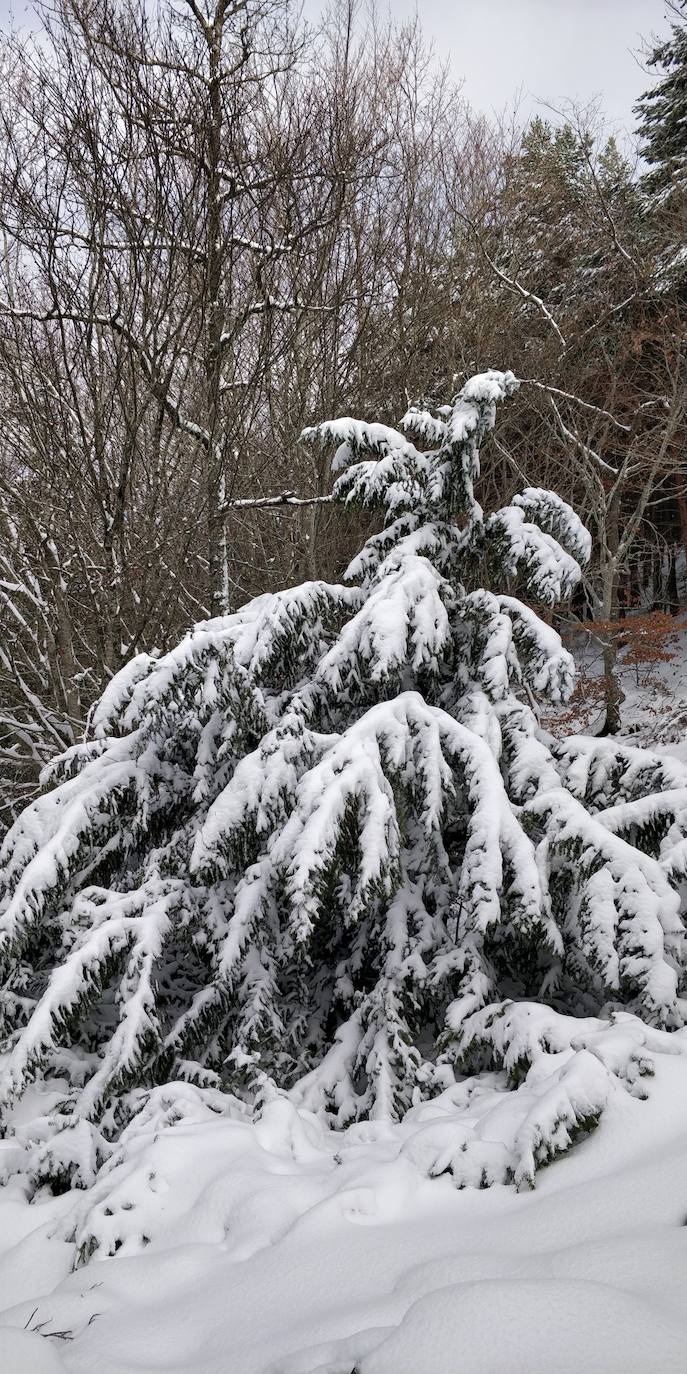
{"points": [[511, 282], [586, 449], [570, 396]]}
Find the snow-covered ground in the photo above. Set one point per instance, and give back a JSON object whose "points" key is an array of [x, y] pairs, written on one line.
{"points": [[251, 1249], [654, 712]]}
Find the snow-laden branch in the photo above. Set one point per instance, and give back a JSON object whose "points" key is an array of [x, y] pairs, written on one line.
{"points": [[280, 306], [285, 498]]}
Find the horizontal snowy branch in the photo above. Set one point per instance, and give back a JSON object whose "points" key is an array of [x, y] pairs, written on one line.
{"points": [[285, 498]]}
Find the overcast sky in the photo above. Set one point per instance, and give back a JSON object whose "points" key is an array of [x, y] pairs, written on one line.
{"points": [[550, 50]]}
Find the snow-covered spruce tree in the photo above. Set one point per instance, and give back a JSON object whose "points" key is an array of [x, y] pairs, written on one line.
{"points": [[322, 848]]}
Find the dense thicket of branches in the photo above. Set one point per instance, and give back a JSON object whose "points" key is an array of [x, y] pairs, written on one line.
{"points": [[218, 226]]}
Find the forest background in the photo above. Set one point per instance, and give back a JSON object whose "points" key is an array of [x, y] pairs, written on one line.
{"points": [[218, 226]]}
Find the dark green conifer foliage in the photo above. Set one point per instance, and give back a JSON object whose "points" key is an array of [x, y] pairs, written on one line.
{"points": [[662, 113]]}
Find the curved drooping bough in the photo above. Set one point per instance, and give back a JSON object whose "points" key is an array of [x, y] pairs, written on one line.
{"points": [[322, 848]]}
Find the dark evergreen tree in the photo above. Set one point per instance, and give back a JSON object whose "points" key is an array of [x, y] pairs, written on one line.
{"points": [[662, 115]]}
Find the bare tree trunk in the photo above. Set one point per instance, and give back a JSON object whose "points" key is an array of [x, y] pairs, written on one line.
{"points": [[215, 306], [613, 692]]}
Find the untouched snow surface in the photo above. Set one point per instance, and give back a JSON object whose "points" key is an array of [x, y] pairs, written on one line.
{"points": [[251, 1250]]}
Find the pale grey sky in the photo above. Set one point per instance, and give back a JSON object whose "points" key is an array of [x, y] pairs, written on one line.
{"points": [[553, 50]]}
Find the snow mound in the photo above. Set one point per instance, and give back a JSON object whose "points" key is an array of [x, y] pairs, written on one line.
{"points": [[573, 1324], [233, 1248]]}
